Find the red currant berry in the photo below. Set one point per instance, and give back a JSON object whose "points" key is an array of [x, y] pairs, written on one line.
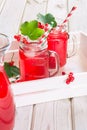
{"points": [[72, 78], [24, 40], [46, 24], [17, 37], [40, 25], [67, 81], [71, 73], [63, 73], [11, 63]]}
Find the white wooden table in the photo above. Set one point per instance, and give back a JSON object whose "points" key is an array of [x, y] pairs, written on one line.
{"points": [[51, 107]]}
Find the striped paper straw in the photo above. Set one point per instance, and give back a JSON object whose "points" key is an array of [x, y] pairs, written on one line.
{"points": [[44, 37], [42, 41], [68, 16]]}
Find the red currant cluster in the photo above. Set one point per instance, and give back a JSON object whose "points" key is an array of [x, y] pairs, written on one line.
{"points": [[43, 26], [21, 38], [70, 77], [17, 37], [40, 25]]}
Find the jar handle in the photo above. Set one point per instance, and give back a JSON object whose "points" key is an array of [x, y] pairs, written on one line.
{"points": [[53, 63], [72, 46]]}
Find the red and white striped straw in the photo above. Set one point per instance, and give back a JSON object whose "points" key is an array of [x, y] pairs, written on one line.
{"points": [[68, 16], [42, 41]]}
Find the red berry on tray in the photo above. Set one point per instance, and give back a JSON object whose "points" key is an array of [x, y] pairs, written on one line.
{"points": [[67, 81], [63, 73], [70, 78]]}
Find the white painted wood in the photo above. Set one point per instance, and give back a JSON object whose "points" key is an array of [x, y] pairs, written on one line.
{"points": [[10, 16], [58, 8], [23, 118], [55, 88], [79, 19], [34, 7], [2, 2], [49, 89], [52, 116], [79, 113]]}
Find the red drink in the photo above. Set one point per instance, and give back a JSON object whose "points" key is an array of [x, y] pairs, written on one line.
{"points": [[57, 41], [34, 62], [7, 107], [34, 67]]}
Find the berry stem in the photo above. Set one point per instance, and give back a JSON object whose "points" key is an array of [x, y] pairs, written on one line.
{"points": [[12, 56]]}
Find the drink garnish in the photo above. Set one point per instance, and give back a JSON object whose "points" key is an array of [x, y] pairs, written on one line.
{"points": [[31, 30]]}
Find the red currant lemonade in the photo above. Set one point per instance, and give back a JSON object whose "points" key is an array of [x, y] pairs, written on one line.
{"points": [[33, 61], [57, 41], [7, 108]]}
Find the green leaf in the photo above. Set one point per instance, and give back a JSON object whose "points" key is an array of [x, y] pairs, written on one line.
{"points": [[41, 18], [36, 33], [48, 18], [31, 29], [24, 28], [51, 19], [11, 71]]}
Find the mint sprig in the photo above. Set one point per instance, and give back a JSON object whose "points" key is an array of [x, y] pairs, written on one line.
{"points": [[31, 29], [11, 71], [48, 18]]}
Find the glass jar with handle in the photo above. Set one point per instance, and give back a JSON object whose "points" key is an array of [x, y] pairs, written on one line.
{"points": [[34, 61], [7, 106], [59, 41]]}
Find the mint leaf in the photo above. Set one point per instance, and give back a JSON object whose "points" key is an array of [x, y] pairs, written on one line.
{"points": [[31, 29], [36, 34], [24, 28], [11, 71], [48, 18], [41, 18], [27, 27]]}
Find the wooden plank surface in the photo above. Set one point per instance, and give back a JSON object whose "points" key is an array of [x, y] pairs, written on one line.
{"points": [[11, 15], [52, 116], [23, 118], [58, 8], [79, 113], [78, 22], [60, 115], [33, 7], [2, 2]]}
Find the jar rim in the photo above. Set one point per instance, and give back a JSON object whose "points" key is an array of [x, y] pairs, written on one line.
{"points": [[58, 34], [33, 46], [4, 42]]}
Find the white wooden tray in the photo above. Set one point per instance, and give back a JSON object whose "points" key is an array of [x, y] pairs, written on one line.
{"points": [[55, 88]]}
